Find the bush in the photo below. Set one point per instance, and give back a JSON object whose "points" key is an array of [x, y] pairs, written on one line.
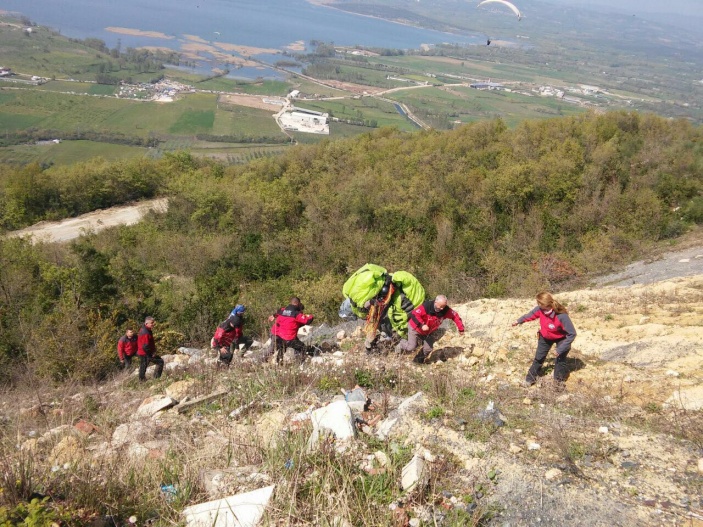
{"points": [[694, 210]]}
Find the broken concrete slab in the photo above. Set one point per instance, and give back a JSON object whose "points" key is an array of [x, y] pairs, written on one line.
{"points": [[413, 473], [241, 510], [152, 405], [335, 418]]}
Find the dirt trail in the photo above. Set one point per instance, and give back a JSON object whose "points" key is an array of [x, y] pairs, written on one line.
{"points": [[71, 228]]}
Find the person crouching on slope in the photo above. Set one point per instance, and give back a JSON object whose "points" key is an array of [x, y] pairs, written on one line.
{"points": [[284, 332], [555, 328], [424, 321], [229, 335]]}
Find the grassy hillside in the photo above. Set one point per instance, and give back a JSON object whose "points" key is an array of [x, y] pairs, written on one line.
{"points": [[483, 210], [605, 445]]}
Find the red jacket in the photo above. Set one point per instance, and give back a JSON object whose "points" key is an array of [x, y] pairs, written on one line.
{"points": [[288, 321], [145, 343], [227, 332], [425, 314], [126, 346], [553, 327]]}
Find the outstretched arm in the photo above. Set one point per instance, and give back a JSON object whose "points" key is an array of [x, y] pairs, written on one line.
{"points": [[456, 318], [527, 317]]}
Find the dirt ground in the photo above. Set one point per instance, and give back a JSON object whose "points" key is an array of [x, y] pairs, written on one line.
{"points": [[71, 228], [253, 101]]}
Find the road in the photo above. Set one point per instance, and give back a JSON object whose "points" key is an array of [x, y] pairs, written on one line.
{"points": [[687, 261]]}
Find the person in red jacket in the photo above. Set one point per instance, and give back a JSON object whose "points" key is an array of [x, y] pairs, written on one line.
{"points": [[229, 335], [284, 332], [555, 327], [423, 322], [146, 349], [127, 348]]}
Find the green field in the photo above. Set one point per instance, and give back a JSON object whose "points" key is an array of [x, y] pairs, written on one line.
{"points": [[68, 87], [380, 112], [193, 122], [189, 115], [68, 152], [245, 121], [264, 87], [102, 89], [460, 104]]}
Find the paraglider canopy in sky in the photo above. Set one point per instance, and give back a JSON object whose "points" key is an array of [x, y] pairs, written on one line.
{"points": [[505, 3]]}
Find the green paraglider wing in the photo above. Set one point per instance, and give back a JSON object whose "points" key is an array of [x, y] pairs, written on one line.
{"points": [[408, 295], [364, 285], [411, 287]]}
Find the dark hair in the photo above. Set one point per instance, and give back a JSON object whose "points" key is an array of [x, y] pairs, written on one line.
{"points": [[294, 300]]}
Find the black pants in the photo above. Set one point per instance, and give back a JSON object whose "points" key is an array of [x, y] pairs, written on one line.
{"points": [[234, 348], [561, 371], [279, 346], [127, 364], [144, 361]]}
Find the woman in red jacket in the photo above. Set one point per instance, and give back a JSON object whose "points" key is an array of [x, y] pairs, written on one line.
{"points": [[555, 327]]}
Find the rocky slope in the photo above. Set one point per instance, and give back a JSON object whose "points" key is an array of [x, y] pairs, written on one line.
{"points": [[457, 441]]}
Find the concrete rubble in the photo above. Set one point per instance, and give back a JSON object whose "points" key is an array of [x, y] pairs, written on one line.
{"points": [[240, 510]]}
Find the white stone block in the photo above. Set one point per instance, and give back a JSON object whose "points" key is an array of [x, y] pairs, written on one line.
{"points": [[335, 417], [241, 510], [413, 473]]}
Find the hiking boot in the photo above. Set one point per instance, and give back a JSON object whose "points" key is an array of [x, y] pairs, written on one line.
{"points": [[526, 383]]}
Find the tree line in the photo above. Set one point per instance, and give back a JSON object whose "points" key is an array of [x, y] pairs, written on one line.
{"points": [[479, 211]]}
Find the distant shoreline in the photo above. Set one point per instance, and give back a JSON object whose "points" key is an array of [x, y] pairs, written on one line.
{"points": [[324, 3]]}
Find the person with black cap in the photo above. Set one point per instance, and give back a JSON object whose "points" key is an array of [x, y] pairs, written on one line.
{"points": [[229, 336]]}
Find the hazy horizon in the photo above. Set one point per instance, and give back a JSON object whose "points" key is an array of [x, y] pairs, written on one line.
{"points": [[674, 7]]}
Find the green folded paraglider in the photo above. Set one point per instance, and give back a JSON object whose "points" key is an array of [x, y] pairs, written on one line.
{"points": [[371, 283]]}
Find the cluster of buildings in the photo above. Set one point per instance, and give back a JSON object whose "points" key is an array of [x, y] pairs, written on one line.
{"points": [[162, 91], [583, 89]]}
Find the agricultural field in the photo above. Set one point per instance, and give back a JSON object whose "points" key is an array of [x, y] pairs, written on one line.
{"points": [[351, 71], [245, 121], [68, 152], [448, 106], [60, 86], [189, 115], [371, 110]]}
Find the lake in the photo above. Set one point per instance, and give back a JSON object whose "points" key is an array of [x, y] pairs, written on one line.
{"points": [[255, 23]]}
